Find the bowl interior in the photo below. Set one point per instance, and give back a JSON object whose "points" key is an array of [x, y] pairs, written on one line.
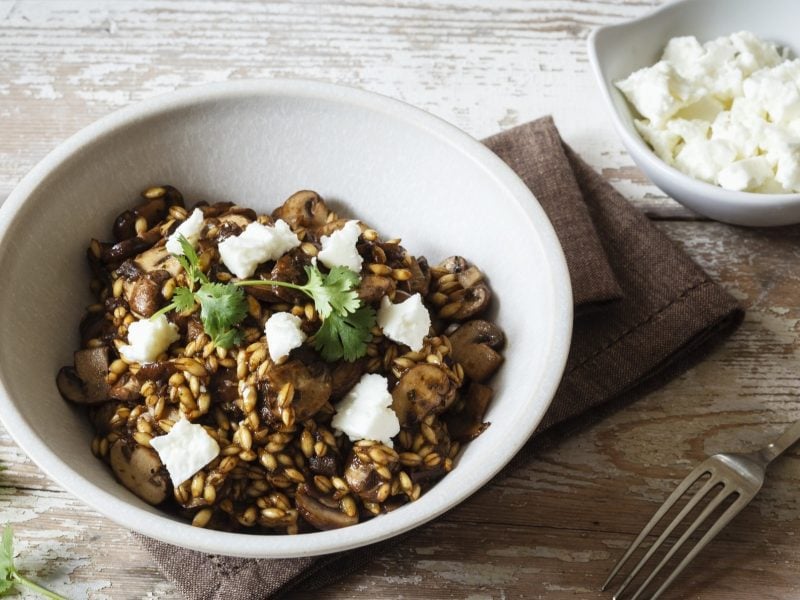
{"points": [[403, 172]]}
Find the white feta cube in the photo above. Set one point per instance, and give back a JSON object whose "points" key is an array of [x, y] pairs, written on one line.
{"points": [[407, 323], [190, 229], [185, 450], [284, 334], [148, 339], [257, 244], [339, 248], [365, 413]]}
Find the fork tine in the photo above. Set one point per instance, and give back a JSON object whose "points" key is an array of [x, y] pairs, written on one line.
{"points": [[711, 507], [684, 485], [724, 519], [693, 501]]}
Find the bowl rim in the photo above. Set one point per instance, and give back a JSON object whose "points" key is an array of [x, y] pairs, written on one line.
{"points": [[641, 152], [165, 528]]}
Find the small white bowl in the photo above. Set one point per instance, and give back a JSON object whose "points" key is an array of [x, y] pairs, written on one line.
{"points": [[401, 170], [617, 51]]}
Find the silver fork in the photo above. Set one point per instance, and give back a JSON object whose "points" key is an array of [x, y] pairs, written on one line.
{"points": [[740, 477]]}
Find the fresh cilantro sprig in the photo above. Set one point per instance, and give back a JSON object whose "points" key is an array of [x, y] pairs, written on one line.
{"points": [[222, 307], [346, 322], [10, 577]]}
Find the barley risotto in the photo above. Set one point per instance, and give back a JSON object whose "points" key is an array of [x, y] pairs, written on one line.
{"points": [[277, 373]]}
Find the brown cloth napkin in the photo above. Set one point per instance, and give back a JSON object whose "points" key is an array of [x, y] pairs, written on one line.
{"points": [[642, 308]]}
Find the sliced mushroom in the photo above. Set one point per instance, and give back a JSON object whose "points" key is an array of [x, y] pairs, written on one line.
{"points": [[474, 347], [144, 295], [345, 375], [422, 390], [420, 281], [454, 264], [303, 209], [374, 287], [470, 277], [70, 385], [323, 516], [94, 325], [327, 465], [473, 301], [140, 470], [125, 226], [126, 389], [91, 367], [157, 258], [311, 382], [467, 424], [131, 247], [158, 371], [363, 473], [100, 415], [289, 268]]}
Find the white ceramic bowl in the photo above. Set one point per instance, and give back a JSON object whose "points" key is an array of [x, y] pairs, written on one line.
{"points": [[399, 169], [618, 50]]}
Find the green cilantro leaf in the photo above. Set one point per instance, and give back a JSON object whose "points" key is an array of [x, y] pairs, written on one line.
{"points": [[345, 336], [183, 299], [222, 307], [316, 288], [190, 263], [343, 284], [10, 577]]}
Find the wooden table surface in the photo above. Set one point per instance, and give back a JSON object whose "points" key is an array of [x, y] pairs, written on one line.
{"points": [[555, 529]]}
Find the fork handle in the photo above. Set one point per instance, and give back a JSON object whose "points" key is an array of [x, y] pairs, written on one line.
{"points": [[787, 439]]}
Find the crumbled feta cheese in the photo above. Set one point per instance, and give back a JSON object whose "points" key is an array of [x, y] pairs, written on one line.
{"points": [[365, 413], [746, 174], [407, 323], [190, 229], [255, 245], [723, 112], [339, 248], [148, 338], [657, 92], [284, 334], [704, 159], [185, 450]]}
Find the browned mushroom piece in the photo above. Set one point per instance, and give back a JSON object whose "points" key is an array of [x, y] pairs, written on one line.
{"points": [[345, 375], [144, 295], [70, 385], [454, 264], [124, 226], [303, 209], [316, 233], [420, 281], [467, 424], [157, 371], [127, 388], [472, 296], [100, 416], [374, 287], [311, 383], [86, 383], [475, 345], [140, 470], [155, 259], [289, 268], [422, 390], [320, 511], [473, 301], [369, 471], [131, 247]]}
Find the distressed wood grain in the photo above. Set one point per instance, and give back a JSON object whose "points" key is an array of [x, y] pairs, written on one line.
{"points": [[554, 529]]}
